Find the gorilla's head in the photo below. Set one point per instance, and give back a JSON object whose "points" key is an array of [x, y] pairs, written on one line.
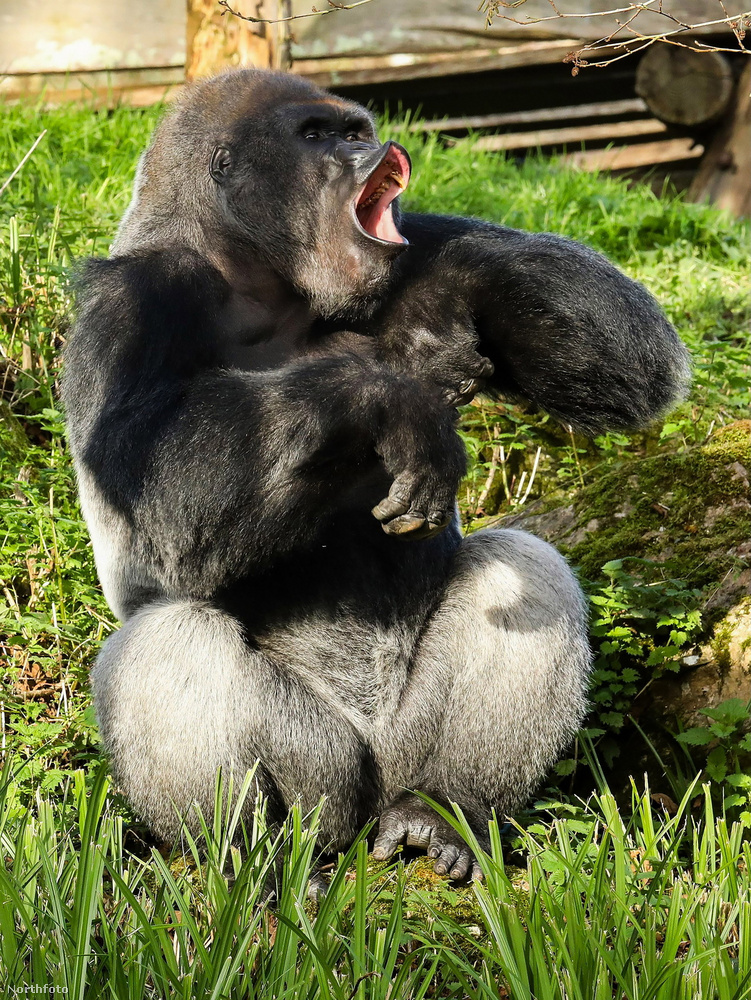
{"points": [[264, 168]]}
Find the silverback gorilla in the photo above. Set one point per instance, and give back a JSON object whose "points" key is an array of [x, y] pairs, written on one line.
{"points": [[258, 394]]}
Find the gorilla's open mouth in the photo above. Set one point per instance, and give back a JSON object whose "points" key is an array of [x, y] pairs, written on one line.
{"points": [[373, 209]]}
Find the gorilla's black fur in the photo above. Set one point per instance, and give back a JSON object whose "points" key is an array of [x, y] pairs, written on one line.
{"points": [[261, 362]]}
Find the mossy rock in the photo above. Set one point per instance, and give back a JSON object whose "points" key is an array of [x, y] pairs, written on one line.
{"points": [[689, 513], [719, 669]]}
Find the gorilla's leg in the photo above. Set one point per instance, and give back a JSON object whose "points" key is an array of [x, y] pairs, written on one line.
{"points": [[178, 692], [497, 689]]}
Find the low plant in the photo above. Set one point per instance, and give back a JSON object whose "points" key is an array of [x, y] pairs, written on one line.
{"points": [[727, 741]]}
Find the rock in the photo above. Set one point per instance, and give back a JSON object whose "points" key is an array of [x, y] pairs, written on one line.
{"points": [[720, 669]]}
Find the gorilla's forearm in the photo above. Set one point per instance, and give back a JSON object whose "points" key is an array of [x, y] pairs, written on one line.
{"points": [[220, 472], [564, 328], [254, 464]]}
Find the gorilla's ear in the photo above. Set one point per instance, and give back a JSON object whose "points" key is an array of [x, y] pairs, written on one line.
{"points": [[221, 162]]}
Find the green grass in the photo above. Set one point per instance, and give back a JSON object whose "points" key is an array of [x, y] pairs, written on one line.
{"points": [[630, 904], [654, 907]]}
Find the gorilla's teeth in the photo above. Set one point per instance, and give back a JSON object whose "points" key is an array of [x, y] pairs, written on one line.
{"points": [[382, 189]]}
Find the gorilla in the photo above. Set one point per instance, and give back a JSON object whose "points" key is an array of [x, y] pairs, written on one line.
{"points": [[260, 392]]}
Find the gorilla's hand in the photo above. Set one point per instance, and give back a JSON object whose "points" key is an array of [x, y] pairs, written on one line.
{"points": [[427, 459], [411, 821], [445, 358], [462, 385]]}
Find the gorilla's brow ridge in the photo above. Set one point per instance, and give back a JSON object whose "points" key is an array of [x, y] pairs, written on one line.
{"points": [[330, 112]]}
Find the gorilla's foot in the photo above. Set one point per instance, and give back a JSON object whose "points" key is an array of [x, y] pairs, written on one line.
{"points": [[411, 821]]}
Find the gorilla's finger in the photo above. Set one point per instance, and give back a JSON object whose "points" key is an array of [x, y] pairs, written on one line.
{"points": [[318, 886], [388, 840], [478, 875], [439, 518], [419, 836], [462, 864], [404, 525], [390, 507], [485, 368], [446, 859]]}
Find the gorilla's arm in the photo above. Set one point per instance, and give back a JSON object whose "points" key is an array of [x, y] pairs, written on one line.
{"points": [[218, 472], [563, 327]]}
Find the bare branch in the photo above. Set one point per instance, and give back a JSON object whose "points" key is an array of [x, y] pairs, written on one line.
{"points": [[313, 12], [625, 38]]}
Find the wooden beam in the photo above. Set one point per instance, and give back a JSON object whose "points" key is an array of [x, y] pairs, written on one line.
{"points": [[632, 105], [102, 88], [641, 154], [352, 71], [577, 133], [724, 176]]}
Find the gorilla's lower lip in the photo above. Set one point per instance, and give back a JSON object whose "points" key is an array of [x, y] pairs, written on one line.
{"points": [[372, 206]]}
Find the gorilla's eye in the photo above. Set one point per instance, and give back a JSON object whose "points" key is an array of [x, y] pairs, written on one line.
{"points": [[352, 137], [312, 135]]}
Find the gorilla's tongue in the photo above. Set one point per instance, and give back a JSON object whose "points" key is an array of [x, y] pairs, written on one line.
{"points": [[373, 206]]}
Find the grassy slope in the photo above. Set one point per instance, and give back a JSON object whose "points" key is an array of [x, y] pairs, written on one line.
{"points": [[64, 206]]}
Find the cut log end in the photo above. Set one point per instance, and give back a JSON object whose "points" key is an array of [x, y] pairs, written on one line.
{"points": [[682, 87]]}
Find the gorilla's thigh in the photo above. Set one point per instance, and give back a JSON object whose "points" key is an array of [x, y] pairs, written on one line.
{"points": [[178, 692], [499, 682]]}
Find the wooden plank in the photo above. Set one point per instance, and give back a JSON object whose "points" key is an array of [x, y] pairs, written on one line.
{"points": [[388, 26], [138, 87], [724, 176], [363, 70], [577, 133], [50, 36], [632, 105], [641, 154]]}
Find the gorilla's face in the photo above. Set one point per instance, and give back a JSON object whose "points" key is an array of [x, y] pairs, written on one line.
{"points": [[306, 185], [264, 171]]}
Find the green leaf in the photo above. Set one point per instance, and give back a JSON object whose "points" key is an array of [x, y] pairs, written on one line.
{"points": [[739, 780], [717, 765], [696, 737], [564, 767], [731, 711]]}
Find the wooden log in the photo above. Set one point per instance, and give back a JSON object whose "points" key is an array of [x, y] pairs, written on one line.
{"points": [[724, 175], [640, 154], [575, 134], [632, 105], [683, 87]]}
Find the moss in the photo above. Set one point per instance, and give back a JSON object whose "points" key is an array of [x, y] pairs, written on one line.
{"points": [[428, 896], [687, 513], [720, 645], [14, 444]]}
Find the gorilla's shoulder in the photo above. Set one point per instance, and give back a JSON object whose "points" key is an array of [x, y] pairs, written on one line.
{"points": [[179, 269], [153, 309]]}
